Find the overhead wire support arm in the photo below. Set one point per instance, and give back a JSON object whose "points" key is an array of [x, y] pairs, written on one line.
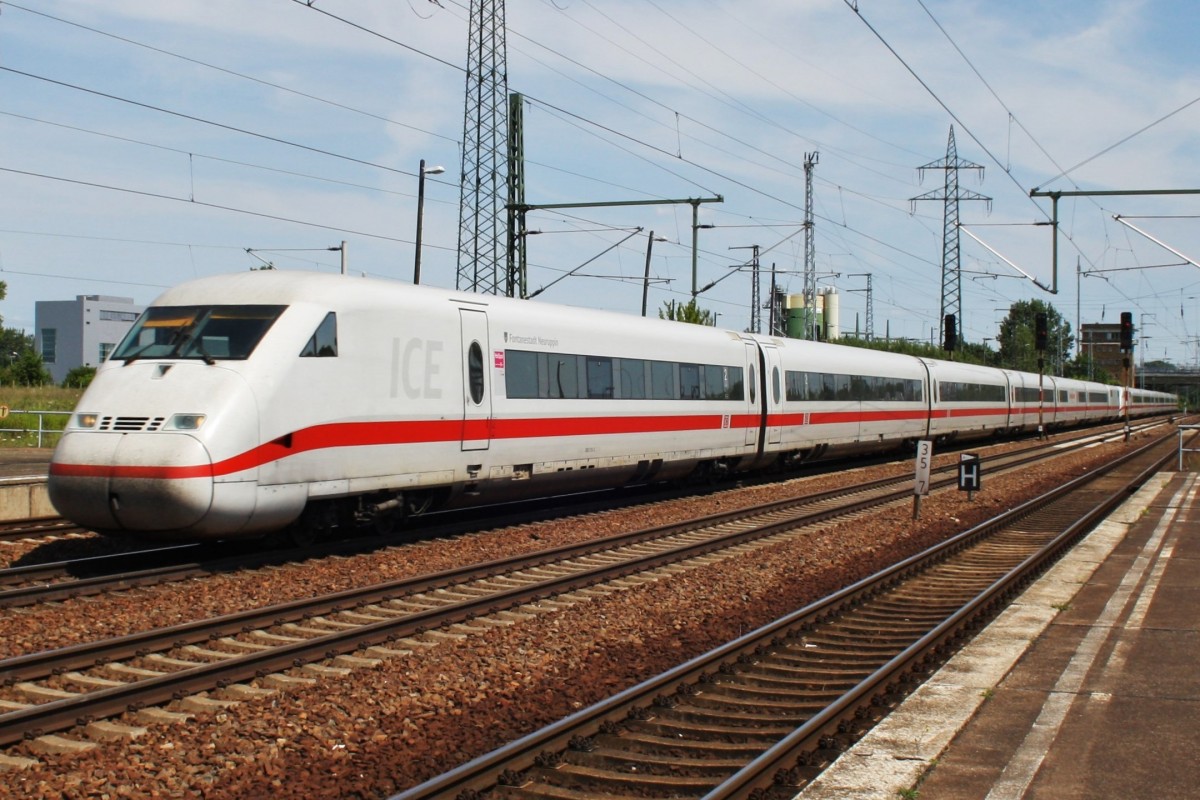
{"points": [[1055, 194], [584, 264], [994, 252], [522, 209], [761, 252], [1157, 241]]}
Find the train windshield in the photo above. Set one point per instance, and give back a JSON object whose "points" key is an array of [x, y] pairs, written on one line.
{"points": [[210, 333]]}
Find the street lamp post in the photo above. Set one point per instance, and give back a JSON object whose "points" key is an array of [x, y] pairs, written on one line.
{"points": [[422, 172], [646, 280]]}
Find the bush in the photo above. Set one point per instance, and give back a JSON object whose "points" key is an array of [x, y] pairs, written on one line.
{"points": [[79, 378]]}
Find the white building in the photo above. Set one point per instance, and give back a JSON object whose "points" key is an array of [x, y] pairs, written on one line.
{"points": [[81, 332]]}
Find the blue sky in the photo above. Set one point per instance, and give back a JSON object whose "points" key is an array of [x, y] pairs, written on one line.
{"points": [[144, 144]]}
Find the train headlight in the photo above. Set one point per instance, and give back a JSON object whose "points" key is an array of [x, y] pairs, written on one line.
{"points": [[185, 422], [84, 420]]}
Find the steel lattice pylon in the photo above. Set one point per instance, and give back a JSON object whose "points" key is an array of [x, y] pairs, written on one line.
{"points": [[482, 226], [951, 264], [810, 250]]}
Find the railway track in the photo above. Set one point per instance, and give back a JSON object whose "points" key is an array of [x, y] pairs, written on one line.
{"points": [[761, 716], [52, 691], [37, 528], [29, 584]]}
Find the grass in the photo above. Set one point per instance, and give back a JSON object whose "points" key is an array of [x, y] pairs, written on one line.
{"points": [[20, 430]]}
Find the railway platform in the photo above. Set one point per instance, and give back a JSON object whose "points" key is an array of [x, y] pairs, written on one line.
{"points": [[23, 474], [1087, 687]]}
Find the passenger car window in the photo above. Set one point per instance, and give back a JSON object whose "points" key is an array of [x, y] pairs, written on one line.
{"points": [[324, 341]]}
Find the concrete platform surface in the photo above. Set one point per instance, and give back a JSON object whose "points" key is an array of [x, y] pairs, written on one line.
{"points": [[23, 472], [1087, 687]]}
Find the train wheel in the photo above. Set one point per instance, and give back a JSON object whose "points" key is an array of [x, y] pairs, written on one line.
{"points": [[388, 521], [305, 531], [314, 523]]}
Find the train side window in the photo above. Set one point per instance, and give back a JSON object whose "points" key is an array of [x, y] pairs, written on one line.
{"points": [[793, 385], [842, 383], [632, 381], [564, 376], [599, 377], [662, 380], [520, 374], [828, 387], [753, 383], [734, 388], [775, 384], [323, 343], [714, 382], [689, 382], [475, 372]]}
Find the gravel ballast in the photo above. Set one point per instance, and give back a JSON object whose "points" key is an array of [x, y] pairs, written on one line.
{"points": [[379, 729]]}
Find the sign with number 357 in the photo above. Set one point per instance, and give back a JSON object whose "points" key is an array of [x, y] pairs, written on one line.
{"points": [[924, 460]]}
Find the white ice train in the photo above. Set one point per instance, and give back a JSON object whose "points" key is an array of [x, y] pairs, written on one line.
{"points": [[247, 403]]}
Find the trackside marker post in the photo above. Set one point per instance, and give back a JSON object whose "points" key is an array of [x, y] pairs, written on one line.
{"points": [[970, 475], [921, 484]]}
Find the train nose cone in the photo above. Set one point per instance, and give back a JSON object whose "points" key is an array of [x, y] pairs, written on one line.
{"points": [[133, 482]]}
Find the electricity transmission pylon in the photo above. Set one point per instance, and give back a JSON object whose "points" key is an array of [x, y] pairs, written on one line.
{"points": [[951, 194], [482, 225]]}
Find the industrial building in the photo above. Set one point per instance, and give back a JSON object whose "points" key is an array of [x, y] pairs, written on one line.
{"points": [[81, 332]]}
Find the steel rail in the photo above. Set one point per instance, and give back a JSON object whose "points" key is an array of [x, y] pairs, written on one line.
{"points": [[780, 760], [36, 582], [60, 714], [505, 765], [40, 664]]}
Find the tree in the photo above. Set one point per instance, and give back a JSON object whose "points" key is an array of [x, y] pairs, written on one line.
{"points": [[1017, 349], [687, 312], [79, 378], [1084, 367], [28, 370], [967, 352], [16, 347]]}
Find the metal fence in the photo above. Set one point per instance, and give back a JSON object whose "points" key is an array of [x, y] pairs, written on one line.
{"points": [[17, 424]]}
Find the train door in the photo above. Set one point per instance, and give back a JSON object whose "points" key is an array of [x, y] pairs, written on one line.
{"points": [[477, 391], [754, 415], [772, 389]]}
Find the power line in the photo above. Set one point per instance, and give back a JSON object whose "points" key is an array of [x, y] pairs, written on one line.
{"points": [[203, 121], [1117, 144], [208, 157], [227, 71], [159, 196], [984, 81], [853, 6]]}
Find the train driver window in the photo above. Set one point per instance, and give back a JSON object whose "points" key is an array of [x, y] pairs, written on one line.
{"points": [[323, 343], [203, 332], [475, 372]]}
